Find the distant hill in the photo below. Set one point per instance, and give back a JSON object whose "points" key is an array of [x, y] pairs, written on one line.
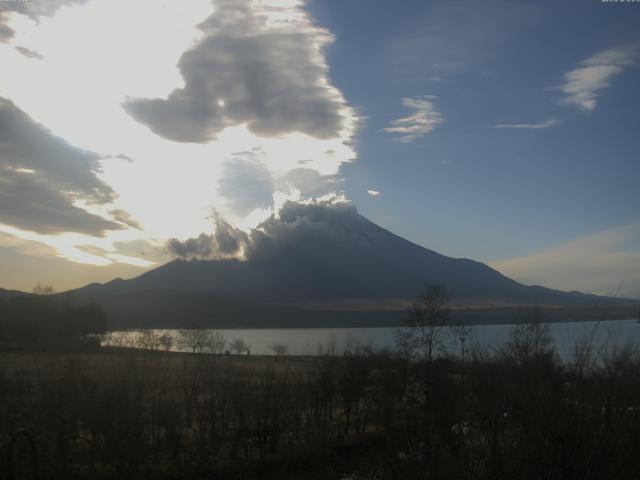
{"points": [[9, 293], [319, 257]]}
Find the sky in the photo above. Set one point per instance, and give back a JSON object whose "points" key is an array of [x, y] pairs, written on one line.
{"points": [[502, 131]]}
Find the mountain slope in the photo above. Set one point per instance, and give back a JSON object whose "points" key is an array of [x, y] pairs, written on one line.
{"points": [[330, 253]]}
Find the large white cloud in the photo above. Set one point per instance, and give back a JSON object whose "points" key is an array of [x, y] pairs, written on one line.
{"points": [[250, 68]]}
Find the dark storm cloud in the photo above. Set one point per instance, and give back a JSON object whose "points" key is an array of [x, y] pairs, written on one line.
{"points": [[42, 176], [34, 9], [246, 184], [295, 223], [243, 72]]}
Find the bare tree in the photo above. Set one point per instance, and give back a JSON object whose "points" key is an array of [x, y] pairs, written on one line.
{"points": [[329, 348], [195, 339], [216, 342], [279, 349], [148, 340], [166, 341], [120, 340], [44, 290], [427, 325], [529, 338], [239, 346]]}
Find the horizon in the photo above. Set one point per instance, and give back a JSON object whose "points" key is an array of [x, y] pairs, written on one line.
{"points": [[450, 126]]}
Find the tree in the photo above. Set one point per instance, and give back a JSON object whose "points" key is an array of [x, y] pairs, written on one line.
{"points": [[44, 290], [529, 338], [148, 340], [166, 341], [239, 346], [216, 342], [279, 349], [44, 322], [194, 339], [427, 324]]}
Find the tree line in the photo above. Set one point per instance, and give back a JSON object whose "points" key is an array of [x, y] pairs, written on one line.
{"points": [[43, 322]]}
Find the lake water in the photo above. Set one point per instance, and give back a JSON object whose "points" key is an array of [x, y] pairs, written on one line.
{"points": [[306, 341]]}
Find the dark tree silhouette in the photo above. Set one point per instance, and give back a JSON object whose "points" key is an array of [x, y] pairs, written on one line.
{"points": [[42, 322]]}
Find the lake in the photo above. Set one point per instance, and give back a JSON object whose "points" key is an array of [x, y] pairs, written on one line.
{"points": [[306, 341]]}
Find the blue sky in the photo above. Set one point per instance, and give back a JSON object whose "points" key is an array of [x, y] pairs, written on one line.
{"points": [[466, 188], [501, 131]]}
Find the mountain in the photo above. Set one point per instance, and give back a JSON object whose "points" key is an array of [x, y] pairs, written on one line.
{"points": [[314, 258]]}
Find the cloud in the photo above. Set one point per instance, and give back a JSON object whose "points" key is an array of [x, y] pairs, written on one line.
{"points": [[281, 130], [124, 217], [249, 68], [31, 203], [312, 219], [596, 263], [552, 122], [5, 31], [582, 84], [42, 178], [418, 124], [373, 193], [34, 9], [225, 242], [25, 263], [246, 184], [29, 53], [310, 183]]}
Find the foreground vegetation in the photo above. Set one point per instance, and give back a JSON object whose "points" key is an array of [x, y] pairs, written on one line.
{"points": [[513, 412]]}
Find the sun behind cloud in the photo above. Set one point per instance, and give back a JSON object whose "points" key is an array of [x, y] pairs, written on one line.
{"points": [[167, 115]]}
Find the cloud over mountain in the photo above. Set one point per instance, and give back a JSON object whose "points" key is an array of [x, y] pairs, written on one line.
{"points": [[294, 221]]}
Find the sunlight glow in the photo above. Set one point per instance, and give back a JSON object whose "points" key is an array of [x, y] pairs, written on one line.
{"points": [[96, 56]]}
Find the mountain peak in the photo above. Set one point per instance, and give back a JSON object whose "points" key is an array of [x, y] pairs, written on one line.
{"points": [[320, 252]]}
